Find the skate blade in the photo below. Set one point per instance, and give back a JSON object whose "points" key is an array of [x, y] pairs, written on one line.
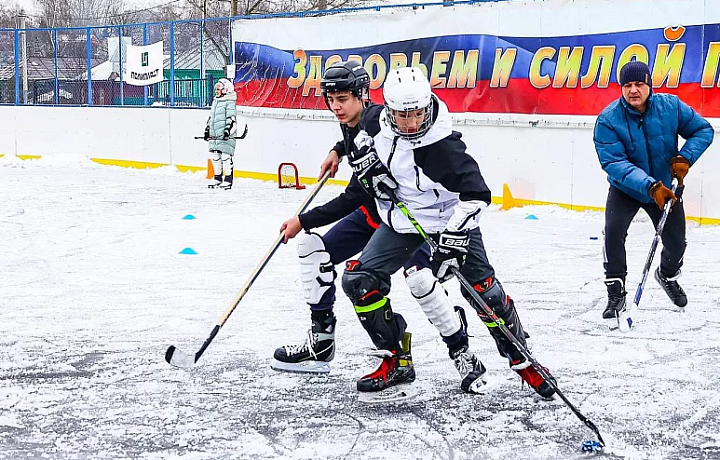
{"points": [[305, 367], [394, 394]]}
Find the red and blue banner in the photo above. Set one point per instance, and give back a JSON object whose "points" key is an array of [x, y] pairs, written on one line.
{"points": [[481, 73]]}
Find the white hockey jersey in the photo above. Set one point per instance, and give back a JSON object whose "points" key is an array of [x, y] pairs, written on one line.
{"points": [[437, 179]]}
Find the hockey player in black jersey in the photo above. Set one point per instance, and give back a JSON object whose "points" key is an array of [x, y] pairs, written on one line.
{"points": [[411, 148], [345, 87]]}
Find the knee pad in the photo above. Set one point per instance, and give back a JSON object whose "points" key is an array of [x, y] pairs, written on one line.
{"points": [[491, 291], [317, 273], [433, 300], [363, 287]]}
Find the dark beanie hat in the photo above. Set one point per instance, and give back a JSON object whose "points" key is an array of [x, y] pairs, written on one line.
{"points": [[635, 71]]}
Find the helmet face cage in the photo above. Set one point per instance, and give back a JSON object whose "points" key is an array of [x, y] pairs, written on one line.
{"points": [[408, 90], [422, 129]]}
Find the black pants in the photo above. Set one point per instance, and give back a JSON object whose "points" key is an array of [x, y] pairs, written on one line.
{"points": [[388, 250], [620, 210], [367, 281]]}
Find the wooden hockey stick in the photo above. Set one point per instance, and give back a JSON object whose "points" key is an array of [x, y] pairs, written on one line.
{"points": [[178, 358]]}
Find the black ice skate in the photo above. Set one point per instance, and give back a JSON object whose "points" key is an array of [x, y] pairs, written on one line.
{"points": [[396, 368], [532, 377], [471, 371], [672, 288], [616, 298], [313, 355]]}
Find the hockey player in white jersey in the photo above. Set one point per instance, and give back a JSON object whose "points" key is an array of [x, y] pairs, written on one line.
{"points": [[345, 88], [413, 150]]}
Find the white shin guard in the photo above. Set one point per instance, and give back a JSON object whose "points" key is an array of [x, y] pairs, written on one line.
{"points": [[227, 164], [317, 273], [433, 300], [215, 157]]}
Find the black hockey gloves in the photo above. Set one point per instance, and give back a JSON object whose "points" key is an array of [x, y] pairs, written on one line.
{"points": [[206, 136], [372, 174], [451, 251]]}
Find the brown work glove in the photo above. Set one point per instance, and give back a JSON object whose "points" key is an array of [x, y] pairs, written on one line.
{"points": [[679, 167], [661, 194]]}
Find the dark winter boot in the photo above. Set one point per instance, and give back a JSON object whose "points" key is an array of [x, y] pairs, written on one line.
{"points": [[319, 345], [616, 297], [532, 377], [396, 368], [671, 287]]}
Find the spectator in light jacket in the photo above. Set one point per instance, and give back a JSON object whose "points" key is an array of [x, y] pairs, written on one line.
{"points": [[220, 131]]}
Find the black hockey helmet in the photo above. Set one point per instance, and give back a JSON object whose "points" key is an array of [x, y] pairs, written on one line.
{"points": [[346, 76]]}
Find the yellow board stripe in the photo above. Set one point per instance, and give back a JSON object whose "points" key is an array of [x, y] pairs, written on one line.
{"points": [[128, 163], [312, 180]]}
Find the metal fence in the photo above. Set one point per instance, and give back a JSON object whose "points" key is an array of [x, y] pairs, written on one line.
{"points": [[84, 66]]}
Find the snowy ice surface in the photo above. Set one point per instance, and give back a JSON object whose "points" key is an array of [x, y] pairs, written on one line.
{"points": [[93, 291]]}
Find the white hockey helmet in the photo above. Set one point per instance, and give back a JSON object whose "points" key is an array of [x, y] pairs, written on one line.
{"points": [[225, 86], [407, 89]]}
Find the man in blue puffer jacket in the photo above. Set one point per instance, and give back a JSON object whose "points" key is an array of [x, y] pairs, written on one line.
{"points": [[636, 139]]}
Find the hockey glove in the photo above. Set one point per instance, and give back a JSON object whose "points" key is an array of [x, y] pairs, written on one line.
{"points": [[661, 194], [206, 136], [679, 167], [372, 174], [451, 251], [226, 134]]}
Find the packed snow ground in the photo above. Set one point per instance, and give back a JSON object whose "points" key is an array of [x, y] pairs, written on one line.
{"points": [[93, 290]]}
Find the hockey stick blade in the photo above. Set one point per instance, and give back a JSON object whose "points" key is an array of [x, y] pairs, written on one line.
{"points": [[489, 312], [625, 321], [178, 358], [625, 317]]}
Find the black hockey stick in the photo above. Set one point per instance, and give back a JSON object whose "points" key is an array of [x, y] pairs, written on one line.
{"points": [[625, 321], [488, 312], [242, 136], [178, 358]]}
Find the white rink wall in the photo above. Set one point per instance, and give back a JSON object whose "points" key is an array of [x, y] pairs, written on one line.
{"points": [[545, 159]]}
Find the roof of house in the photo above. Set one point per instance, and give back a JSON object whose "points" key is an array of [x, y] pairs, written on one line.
{"points": [[43, 68]]}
